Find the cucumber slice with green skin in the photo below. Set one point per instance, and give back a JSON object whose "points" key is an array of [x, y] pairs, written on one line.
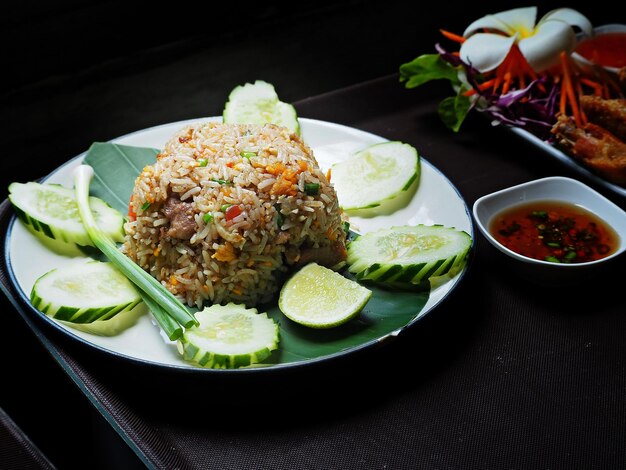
{"points": [[114, 325], [229, 336], [84, 293], [258, 103], [51, 210], [408, 255], [376, 175]]}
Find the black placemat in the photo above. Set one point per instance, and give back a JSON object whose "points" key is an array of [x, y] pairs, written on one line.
{"points": [[505, 374], [17, 450]]}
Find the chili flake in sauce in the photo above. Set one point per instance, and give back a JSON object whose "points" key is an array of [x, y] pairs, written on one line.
{"points": [[554, 231]]}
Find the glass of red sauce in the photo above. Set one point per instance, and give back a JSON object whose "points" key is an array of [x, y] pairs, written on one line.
{"points": [[557, 228], [606, 48]]}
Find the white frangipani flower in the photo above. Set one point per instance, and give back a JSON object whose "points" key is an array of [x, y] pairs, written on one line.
{"points": [[540, 43]]}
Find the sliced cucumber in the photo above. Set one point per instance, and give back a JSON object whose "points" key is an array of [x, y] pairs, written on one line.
{"points": [[258, 103], [114, 325], [376, 175], [51, 210], [408, 255], [229, 336], [84, 293]]}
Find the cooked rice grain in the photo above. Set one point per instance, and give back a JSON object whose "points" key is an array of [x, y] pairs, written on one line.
{"points": [[209, 255]]}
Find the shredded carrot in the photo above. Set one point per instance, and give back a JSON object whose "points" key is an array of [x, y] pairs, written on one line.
{"points": [[568, 88], [328, 175], [597, 88], [173, 280], [482, 87], [507, 82], [452, 36], [496, 83]]}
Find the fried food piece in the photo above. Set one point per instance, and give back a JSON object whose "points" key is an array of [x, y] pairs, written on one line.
{"points": [[609, 114], [621, 76], [595, 147]]}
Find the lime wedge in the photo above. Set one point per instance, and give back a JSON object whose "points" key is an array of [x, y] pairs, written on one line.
{"points": [[318, 297], [258, 103]]}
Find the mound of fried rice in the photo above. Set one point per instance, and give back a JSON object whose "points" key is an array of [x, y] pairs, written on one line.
{"points": [[227, 209]]}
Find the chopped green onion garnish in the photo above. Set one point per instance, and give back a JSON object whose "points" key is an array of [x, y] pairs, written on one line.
{"points": [[280, 218], [312, 189], [552, 259], [221, 181], [554, 244], [247, 155], [203, 162], [570, 255], [207, 218], [539, 214], [145, 206], [346, 227], [145, 282], [224, 207]]}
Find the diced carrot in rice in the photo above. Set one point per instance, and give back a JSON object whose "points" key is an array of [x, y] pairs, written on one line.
{"points": [[225, 253]]}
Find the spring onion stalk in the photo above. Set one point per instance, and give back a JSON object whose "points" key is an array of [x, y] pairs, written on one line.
{"points": [[169, 326], [144, 281]]}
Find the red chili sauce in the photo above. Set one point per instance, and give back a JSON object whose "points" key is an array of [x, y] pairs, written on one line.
{"points": [[605, 49], [554, 231]]}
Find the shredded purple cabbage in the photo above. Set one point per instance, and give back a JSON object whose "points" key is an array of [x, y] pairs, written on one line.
{"points": [[532, 108]]}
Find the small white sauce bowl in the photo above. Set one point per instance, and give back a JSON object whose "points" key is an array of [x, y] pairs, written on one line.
{"points": [[597, 31], [555, 188]]}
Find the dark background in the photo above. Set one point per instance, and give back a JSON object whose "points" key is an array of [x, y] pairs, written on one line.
{"points": [[75, 72]]}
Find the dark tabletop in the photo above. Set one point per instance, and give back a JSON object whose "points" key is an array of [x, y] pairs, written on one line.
{"points": [[506, 373]]}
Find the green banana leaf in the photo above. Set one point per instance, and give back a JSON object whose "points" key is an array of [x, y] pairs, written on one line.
{"points": [[115, 169]]}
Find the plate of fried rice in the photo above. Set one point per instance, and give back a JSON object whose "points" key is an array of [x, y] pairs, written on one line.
{"points": [[241, 257]]}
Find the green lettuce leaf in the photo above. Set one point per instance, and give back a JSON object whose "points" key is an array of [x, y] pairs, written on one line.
{"points": [[428, 67], [453, 110]]}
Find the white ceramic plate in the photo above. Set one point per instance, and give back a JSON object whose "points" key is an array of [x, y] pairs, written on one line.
{"points": [[568, 161], [436, 202]]}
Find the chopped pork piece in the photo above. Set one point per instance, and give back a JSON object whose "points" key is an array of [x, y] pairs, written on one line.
{"points": [[181, 216]]}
